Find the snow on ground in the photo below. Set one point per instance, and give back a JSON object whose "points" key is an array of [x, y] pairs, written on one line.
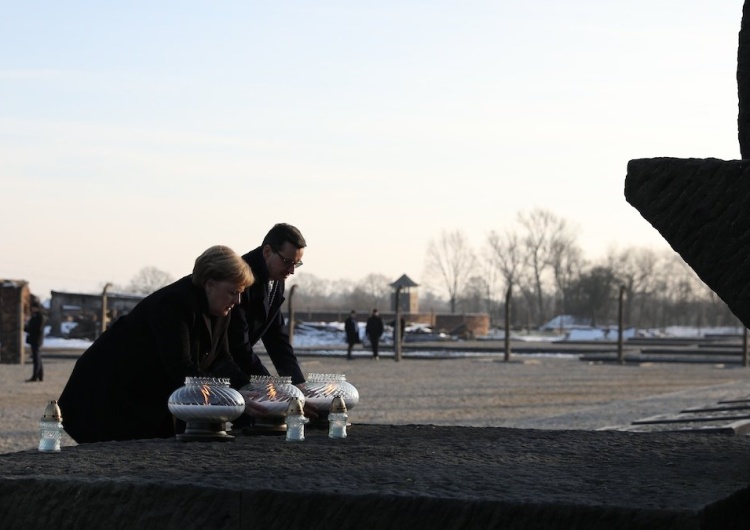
{"points": [[65, 344], [314, 334]]}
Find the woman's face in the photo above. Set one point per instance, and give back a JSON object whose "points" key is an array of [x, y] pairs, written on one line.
{"points": [[222, 297]]}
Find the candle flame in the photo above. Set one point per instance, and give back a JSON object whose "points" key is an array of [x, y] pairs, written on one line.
{"points": [[206, 391]]}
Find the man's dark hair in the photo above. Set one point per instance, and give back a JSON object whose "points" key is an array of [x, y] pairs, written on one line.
{"points": [[282, 233]]}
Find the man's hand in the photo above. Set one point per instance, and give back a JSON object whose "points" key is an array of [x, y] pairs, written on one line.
{"points": [[252, 407]]}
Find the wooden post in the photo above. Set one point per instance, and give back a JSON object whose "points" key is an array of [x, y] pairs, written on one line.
{"points": [[103, 323], [21, 325], [507, 323], [397, 327], [620, 323], [291, 314]]}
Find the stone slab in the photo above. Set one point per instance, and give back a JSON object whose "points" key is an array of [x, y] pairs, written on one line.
{"points": [[700, 207], [385, 476], [720, 407], [732, 428], [693, 358], [717, 416]]}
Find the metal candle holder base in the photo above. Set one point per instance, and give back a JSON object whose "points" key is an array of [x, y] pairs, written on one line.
{"points": [[270, 425], [200, 431]]}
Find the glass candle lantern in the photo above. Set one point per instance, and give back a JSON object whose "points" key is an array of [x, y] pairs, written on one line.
{"points": [[205, 404], [271, 395], [337, 418], [320, 389], [50, 428], [295, 422]]}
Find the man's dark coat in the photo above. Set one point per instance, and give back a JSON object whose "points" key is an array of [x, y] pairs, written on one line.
{"points": [[374, 328], [351, 329], [258, 317], [35, 329]]}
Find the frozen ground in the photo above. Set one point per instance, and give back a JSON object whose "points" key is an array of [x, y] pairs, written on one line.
{"points": [[314, 334]]}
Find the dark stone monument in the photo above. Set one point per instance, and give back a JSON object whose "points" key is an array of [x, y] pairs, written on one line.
{"points": [[393, 477], [702, 206]]}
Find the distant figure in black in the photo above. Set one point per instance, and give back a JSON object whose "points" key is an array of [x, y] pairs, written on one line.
{"points": [[351, 327], [35, 338], [374, 330]]}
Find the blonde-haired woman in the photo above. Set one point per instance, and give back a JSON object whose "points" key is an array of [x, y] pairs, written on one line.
{"points": [[120, 385]]}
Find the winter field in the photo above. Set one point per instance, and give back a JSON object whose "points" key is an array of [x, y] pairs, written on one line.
{"points": [[322, 335]]}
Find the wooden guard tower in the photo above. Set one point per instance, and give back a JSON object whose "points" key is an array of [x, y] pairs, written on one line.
{"points": [[408, 297]]}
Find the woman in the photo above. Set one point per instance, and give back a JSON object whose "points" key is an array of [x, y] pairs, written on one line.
{"points": [[120, 386]]}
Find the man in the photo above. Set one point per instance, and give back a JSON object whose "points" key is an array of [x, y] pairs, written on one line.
{"points": [[351, 328], [258, 315], [374, 330], [35, 337]]}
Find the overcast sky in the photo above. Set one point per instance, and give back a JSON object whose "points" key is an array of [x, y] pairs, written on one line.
{"points": [[138, 134]]}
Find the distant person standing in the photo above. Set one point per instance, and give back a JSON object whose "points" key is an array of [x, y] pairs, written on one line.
{"points": [[351, 328], [374, 330], [35, 338]]}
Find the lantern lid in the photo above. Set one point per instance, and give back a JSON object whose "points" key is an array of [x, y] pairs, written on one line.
{"points": [[52, 412], [294, 408], [338, 406]]}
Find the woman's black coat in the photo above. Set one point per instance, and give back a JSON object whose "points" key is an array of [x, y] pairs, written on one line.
{"points": [[120, 386]]}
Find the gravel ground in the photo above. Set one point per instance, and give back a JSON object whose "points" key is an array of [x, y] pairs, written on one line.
{"points": [[527, 392]]}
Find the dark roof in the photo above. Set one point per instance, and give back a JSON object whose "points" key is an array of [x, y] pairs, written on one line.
{"points": [[404, 281], [111, 295], [13, 283]]}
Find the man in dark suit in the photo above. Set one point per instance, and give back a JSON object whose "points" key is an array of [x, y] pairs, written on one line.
{"points": [[374, 330], [258, 315], [351, 328], [35, 337]]}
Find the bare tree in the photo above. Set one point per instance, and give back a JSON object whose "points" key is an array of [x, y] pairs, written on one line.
{"points": [[377, 290], [544, 236], [148, 280], [636, 269], [313, 292], [451, 261], [566, 260], [430, 301], [506, 258], [593, 293], [507, 255], [474, 297]]}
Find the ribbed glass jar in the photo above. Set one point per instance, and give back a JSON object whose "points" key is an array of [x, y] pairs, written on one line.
{"points": [[320, 389], [271, 394], [206, 399]]}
